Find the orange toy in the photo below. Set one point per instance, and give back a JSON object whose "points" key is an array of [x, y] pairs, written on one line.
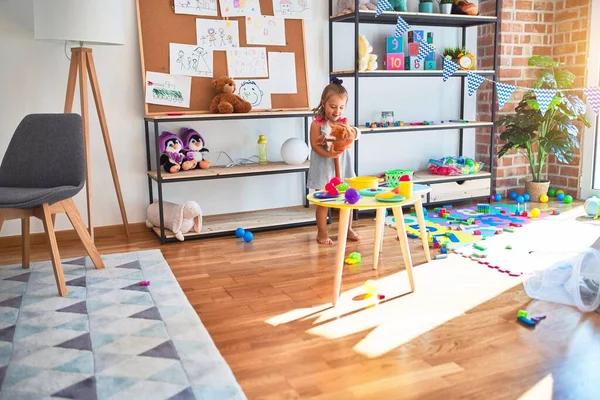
{"points": [[339, 139]]}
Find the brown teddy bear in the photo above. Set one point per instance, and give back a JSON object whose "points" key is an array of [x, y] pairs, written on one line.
{"points": [[341, 137], [226, 101]]}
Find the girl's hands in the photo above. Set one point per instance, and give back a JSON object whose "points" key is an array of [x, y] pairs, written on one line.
{"points": [[334, 154]]}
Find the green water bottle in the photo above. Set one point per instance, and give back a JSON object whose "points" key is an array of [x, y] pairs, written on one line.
{"points": [[262, 149]]}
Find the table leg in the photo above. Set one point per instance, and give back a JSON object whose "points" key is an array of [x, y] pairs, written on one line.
{"points": [[341, 250], [422, 228], [377, 242], [401, 229]]}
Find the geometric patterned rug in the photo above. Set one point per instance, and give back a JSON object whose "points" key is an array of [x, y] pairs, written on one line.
{"points": [[110, 338]]}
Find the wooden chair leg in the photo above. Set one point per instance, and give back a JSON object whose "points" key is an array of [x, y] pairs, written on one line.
{"points": [[75, 218], [56, 264], [25, 241]]}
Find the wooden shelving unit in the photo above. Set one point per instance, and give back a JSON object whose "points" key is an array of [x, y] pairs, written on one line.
{"points": [[436, 127]]}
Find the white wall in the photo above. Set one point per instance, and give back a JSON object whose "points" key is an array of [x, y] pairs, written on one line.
{"points": [[35, 75]]}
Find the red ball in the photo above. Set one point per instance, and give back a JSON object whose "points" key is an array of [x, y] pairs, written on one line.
{"points": [[335, 181]]}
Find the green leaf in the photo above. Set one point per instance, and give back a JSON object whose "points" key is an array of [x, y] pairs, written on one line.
{"points": [[506, 148], [543, 61], [564, 78], [546, 80]]}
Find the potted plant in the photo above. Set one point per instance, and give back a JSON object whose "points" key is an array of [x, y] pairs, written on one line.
{"points": [[464, 58], [426, 6], [446, 6], [537, 135]]}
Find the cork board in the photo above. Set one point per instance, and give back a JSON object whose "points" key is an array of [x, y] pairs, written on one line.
{"points": [[158, 25]]}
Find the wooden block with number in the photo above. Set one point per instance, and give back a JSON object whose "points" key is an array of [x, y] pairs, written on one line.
{"points": [[431, 56], [430, 65], [411, 63], [395, 62], [416, 36], [413, 49], [394, 45]]}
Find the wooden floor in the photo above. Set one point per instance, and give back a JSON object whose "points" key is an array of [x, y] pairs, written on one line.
{"points": [[266, 305]]}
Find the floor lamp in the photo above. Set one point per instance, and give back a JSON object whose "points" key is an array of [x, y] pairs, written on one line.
{"points": [[95, 22]]}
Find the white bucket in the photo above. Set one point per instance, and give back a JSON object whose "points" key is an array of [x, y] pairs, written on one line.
{"points": [[573, 281]]}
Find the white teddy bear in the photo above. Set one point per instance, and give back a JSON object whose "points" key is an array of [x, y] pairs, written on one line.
{"points": [[179, 218]]}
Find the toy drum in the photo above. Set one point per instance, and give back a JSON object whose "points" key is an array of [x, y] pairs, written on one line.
{"points": [[392, 177]]}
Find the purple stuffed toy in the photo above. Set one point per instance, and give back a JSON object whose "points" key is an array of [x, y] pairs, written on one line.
{"points": [[172, 157], [194, 147]]}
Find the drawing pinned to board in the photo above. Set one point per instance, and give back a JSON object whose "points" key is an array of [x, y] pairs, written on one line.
{"points": [[196, 7], [265, 30], [292, 9], [190, 60], [214, 34], [247, 62], [255, 92], [236, 8], [282, 72], [168, 90]]}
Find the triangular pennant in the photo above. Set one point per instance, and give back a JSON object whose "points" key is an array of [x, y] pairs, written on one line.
{"points": [[450, 67], [473, 82], [504, 91], [383, 5], [401, 27], [593, 97], [425, 49], [544, 98]]}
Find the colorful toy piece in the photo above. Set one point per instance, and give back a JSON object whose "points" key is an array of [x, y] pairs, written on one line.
{"points": [[520, 199], [394, 45], [239, 232], [559, 191], [522, 313], [145, 283], [551, 192], [413, 64], [560, 196], [526, 321], [592, 207], [544, 198], [394, 62], [352, 196], [483, 208], [568, 199], [513, 195], [353, 258], [248, 236], [370, 287], [556, 212], [535, 213], [526, 196], [497, 197], [430, 66], [415, 36]]}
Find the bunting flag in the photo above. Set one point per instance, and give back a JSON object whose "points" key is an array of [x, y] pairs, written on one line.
{"points": [[450, 67], [425, 49], [593, 96], [504, 91], [382, 5], [544, 98], [473, 82], [401, 27]]}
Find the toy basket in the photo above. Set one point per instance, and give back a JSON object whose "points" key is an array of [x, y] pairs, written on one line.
{"points": [[392, 176]]}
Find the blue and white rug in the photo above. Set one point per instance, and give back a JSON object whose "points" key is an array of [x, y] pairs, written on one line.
{"points": [[110, 338]]}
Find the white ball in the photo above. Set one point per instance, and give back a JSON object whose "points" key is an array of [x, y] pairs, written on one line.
{"points": [[592, 206], [294, 151]]}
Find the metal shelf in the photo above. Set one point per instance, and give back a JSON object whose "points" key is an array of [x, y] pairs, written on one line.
{"points": [[425, 177], [408, 73], [183, 117], [412, 128], [415, 18]]}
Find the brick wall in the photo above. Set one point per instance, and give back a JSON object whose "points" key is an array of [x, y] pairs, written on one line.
{"points": [[556, 28]]}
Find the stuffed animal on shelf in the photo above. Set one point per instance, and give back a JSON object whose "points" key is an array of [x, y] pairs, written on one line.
{"points": [[464, 7], [194, 145], [348, 5], [366, 60], [172, 156], [226, 101], [179, 218]]}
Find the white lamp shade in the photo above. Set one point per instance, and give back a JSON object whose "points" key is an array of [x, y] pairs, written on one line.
{"points": [[88, 21]]}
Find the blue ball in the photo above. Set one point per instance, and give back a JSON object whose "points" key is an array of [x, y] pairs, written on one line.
{"points": [[497, 197], [520, 199], [513, 195], [248, 236], [526, 196], [239, 232], [560, 196]]}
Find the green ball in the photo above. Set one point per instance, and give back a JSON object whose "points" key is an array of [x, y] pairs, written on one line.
{"points": [[551, 192], [568, 199]]}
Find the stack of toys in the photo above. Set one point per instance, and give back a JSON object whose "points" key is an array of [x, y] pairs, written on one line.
{"points": [[397, 61], [394, 49]]}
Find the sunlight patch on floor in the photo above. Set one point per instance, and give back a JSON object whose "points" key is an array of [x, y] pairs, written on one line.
{"points": [[541, 391]]}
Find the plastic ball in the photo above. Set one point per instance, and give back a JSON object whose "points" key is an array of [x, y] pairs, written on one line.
{"points": [[239, 232], [248, 236], [526, 196], [544, 198], [592, 207], [568, 199], [559, 191], [520, 199], [560, 196], [497, 197], [534, 213], [352, 196], [513, 195], [294, 151], [370, 287], [335, 181], [551, 192]]}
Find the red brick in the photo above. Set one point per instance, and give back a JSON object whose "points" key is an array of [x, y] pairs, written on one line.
{"points": [[537, 28], [543, 5], [579, 36], [524, 5], [569, 171], [527, 16], [510, 73]]}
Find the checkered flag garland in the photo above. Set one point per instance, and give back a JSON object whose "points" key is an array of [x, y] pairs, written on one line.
{"points": [[593, 97], [383, 5], [425, 49], [504, 91], [544, 98], [473, 82], [450, 67], [401, 27]]}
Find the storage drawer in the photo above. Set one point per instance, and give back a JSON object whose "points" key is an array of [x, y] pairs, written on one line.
{"points": [[462, 189]]}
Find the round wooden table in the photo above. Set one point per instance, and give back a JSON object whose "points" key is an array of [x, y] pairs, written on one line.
{"points": [[369, 203]]}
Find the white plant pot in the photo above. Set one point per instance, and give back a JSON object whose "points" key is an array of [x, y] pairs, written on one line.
{"points": [[445, 8]]}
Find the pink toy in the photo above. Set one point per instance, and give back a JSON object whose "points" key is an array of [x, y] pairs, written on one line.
{"points": [[145, 283]]}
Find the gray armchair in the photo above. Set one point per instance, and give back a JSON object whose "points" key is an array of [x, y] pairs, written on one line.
{"points": [[43, 168]]}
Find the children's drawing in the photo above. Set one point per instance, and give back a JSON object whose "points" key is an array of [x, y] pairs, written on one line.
{"points": [[292, 8], [190, 60], [168, 90], [247, 62], [255, 92], [236, 8], [214, 34], [196, 7], [265, 30]]}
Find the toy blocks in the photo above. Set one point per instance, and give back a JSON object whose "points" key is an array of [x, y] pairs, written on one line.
{"points": [[411, 63], [483, 208], [395, 61], [394, 45], [413, 49], [430, 65], [416, 36]]}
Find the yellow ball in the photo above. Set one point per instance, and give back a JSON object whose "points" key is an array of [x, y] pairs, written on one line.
{"points": [[370, 287], [559, 191], [543, 199], [535, 212]]}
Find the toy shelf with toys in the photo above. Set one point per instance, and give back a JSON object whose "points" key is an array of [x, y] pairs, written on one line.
{"points": [[420, 126], [407, 73], [415, 18]]}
